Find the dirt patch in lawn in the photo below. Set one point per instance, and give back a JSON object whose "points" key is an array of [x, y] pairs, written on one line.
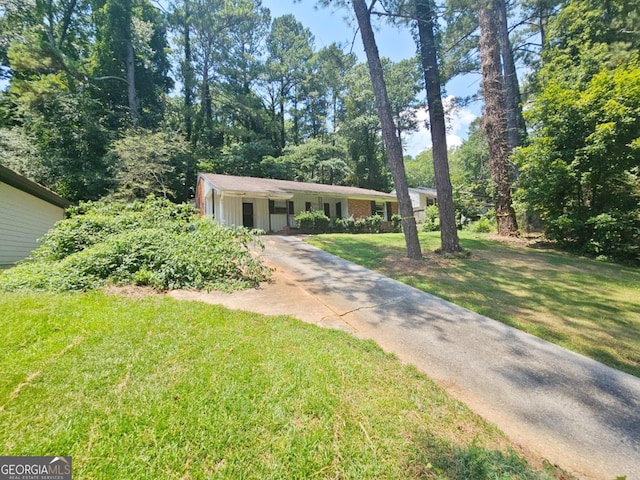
{"points": [[133, 292]]}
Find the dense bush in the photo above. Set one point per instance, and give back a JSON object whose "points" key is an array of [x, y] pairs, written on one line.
{"points": [[154, 243], [313, 221], [372, 224], [483, 225], [613, 235], [431, 219], [351, 225], [396, 222]]}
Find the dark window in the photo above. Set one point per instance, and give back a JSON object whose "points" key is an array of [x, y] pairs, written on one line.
{"points": [[327, 210], [307, 206], [247, 215], [339, 210], [278, 207], [291, 210], [377, 209], [389, 211]]}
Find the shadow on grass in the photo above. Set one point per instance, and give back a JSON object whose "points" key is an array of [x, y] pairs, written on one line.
{"points": [[440, 459], [587, 306]]}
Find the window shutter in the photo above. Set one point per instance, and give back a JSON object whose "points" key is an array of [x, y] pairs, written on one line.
{"points": [[272, 206]]}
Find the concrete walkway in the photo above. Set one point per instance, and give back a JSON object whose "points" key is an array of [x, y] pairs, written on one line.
{"points": [[573, 411]]}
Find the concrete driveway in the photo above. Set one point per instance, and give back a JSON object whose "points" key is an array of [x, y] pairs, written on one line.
{"points": [[573, 411]]}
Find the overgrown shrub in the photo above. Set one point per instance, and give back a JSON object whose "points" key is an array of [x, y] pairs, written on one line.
{"points": [[483, 225], [373, 223], [349, 224], [337, 226], [154, 243], [613, 235], [396, 222], [431, 219], [313, 221]]}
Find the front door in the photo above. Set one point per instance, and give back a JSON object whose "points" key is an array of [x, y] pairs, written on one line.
{"points": [[247, 215]]}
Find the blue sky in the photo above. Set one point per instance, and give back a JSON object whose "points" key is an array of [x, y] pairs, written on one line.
{"points": [[330, 25]]}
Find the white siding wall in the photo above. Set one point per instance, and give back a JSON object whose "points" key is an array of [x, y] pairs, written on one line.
{"points": [[278, 222], [230, 211], [23, 220], [260, 213]]}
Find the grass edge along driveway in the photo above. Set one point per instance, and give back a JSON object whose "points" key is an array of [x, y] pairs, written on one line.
{"points": [[160, 388], [584, 305]]}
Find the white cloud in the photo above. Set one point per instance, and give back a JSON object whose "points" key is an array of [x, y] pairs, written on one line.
{"points": [[458, 121]]}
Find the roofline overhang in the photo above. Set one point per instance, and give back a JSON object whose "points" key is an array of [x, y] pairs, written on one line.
{"points": [[242, 193], [287, 195], [19, 182]]}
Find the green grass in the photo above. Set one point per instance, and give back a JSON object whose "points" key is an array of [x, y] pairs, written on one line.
{"points": [[165, 389], [585, 305]]}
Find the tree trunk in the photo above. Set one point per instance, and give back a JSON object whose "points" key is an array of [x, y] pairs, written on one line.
{"points": [[282, 134], [394, 149], [515, 121], [131, 84], [187, 74], [428, 55], [495, 122]]}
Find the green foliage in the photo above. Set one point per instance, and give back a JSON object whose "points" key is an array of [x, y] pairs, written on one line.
{"points": [[431, 219], [483, 225], [119, 24], [149, 163], [420, 170], [469, 163], [612, 235], [313, 221], [155, 243], [581, 167], [371, 224], [312, 161], [361, 130], [396, 222], [347, 225]]}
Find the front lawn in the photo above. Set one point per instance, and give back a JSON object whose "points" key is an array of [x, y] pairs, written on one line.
{"points": [[585, 305], [165, 389]]}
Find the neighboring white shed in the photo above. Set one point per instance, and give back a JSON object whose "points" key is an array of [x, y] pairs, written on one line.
{"points": [[421, 198], [27, 211]]}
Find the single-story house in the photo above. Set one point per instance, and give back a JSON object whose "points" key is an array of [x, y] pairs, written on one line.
{"points": [[271, 205], [421, 198], [27, 211]]}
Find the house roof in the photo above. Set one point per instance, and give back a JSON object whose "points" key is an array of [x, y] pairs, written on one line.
{"points": [[269, 186], [429, 192], [16, 180]]}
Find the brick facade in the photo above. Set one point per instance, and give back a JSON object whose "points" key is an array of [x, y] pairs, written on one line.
{"points": [[200, 197], [359, 208], [362, 208]]}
